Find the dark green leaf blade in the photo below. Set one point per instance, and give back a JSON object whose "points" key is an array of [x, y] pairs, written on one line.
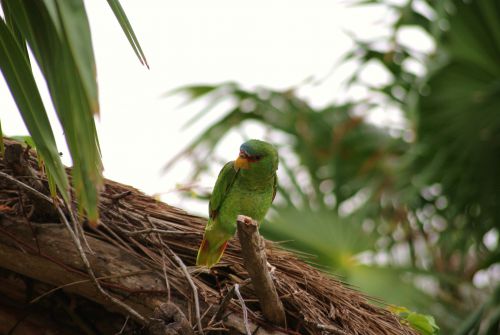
{"points": [[21, 82], [117, 9], [14, 28], [75, 33], [44, 30]]}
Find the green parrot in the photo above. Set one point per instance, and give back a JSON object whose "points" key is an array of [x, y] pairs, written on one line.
{"points": [[246, 186]]}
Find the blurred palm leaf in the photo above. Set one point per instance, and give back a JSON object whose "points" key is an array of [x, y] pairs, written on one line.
{"points": [[335, 244], [458, 127], [327, 239], [433, 193], [488, 311], [348, 151], [425, 324]]}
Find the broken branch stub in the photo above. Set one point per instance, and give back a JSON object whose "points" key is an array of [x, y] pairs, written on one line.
{"points": [[255, 261]]}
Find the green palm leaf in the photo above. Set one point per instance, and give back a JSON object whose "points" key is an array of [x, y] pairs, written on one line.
{"points": [[58, 34], [70, 19], [127, 29], [48, 37], [19, 77]]}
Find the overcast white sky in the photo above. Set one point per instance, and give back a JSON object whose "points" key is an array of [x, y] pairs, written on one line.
{"points": [[269, 43]]}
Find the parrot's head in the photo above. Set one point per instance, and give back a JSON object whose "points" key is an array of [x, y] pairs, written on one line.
{"points": [[257, 156]]}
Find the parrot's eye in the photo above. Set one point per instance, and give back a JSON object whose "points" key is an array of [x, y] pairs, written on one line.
{"points": [[243, 154], [254, 158]]}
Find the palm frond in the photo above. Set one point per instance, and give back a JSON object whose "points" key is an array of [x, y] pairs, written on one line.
{"points": [[19, 77], [117, 9], [58, 34]]}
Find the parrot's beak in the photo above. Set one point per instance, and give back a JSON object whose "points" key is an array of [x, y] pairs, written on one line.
{"points": [[241, 163]]}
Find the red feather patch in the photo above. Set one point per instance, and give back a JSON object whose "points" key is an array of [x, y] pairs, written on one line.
{"points": [[223, 247], [204, 245]]}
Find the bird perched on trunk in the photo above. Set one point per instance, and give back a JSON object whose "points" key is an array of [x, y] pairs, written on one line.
{"points": [[246, 186]]}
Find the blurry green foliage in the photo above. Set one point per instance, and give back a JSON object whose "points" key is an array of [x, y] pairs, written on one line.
{"points": [[407, 213], [425, 324]]}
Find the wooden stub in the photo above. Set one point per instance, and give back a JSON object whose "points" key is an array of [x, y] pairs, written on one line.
{"points": [[255, 261]]}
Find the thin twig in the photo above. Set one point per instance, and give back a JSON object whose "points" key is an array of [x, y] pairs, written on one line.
{"points": [[117, 241], [193, 287], [85, 281], [331, 328], [243, 307], [26, 187], [121, 195], [206, 311], [80, 232], [167, 283], [225, 301], [164, 265], [153, 230], [123, 327]]}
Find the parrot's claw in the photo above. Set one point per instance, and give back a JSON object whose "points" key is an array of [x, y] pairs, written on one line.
{"points": [[247, 220]]}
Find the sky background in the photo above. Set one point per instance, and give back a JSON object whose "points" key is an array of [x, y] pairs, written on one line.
{"points": [[276, 44]]}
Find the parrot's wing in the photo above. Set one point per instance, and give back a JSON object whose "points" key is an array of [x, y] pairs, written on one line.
{"points": [[222, 186], [275, 185]]}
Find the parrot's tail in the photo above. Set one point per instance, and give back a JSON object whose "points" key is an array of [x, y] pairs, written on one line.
{"points": [[210, 253]]}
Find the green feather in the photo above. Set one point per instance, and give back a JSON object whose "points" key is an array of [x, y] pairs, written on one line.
{"points": [[236, 192], [224, 181]]}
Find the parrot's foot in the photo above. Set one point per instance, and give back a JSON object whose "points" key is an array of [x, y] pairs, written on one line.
{"points": [[271, 268], [247, 220]]}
